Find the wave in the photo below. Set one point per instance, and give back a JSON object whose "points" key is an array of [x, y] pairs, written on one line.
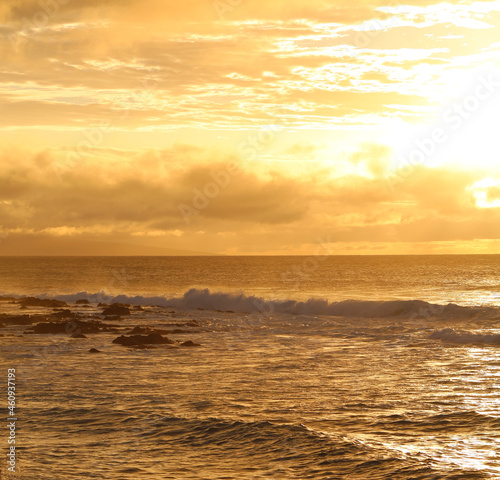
{"points": [[469, 420], [449, 335], [249, 304], [271, 448]]}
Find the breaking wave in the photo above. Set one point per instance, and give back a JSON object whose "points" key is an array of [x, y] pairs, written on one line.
{"points": [[449, 335], [250, 304]]}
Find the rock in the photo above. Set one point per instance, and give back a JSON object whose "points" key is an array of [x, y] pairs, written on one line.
{"points": [[102, 305], [63, 314], [78, 335], [116, 310], [189, 343], [147, 331], [38, 302], [51, 327], [151, 339], [94, 350], [73, 327], [82, 301], [23, 307], [139, 330], [21, 319], [139, 308], [7, 299]]}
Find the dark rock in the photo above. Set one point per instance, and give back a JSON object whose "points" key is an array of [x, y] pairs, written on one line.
{"points": [[73, 327], [23, 307], [7, 299], [51, 327], [116, 310], [139, 308], [152, 338], [63, 314], [21, 319], [94, 350], [147, 331], [78, 335], [180, 330], [102, 305], [189, 343], [38, 302], [139, 330], [82, 301]]}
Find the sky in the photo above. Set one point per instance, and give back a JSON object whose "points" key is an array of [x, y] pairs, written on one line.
{"points": [[249, 127]]}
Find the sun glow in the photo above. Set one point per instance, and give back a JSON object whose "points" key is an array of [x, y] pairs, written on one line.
{"points": [[487, 193]]}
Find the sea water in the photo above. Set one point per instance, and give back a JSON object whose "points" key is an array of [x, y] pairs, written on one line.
{"points": [[309, 368]]}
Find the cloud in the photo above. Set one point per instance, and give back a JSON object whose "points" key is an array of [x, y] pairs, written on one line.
{"points": [[173, 64], [128, 102], [119, 195]]}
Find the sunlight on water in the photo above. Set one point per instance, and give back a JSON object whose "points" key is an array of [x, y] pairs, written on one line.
{"points": [[298, 389]]}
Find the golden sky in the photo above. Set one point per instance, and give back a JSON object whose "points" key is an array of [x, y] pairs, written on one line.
{"points": [[249, 127]]}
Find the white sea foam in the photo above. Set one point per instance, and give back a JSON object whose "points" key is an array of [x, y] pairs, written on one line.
{"points": [[243, 303], [450, 335]]}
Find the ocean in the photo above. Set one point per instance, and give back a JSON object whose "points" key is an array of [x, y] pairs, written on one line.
{"points": [[320, 367]]}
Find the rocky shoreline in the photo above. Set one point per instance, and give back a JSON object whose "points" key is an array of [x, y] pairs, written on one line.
{"points": [[58, 318]]}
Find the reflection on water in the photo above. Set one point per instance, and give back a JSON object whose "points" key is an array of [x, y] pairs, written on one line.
{"points": [[287, 397]]}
